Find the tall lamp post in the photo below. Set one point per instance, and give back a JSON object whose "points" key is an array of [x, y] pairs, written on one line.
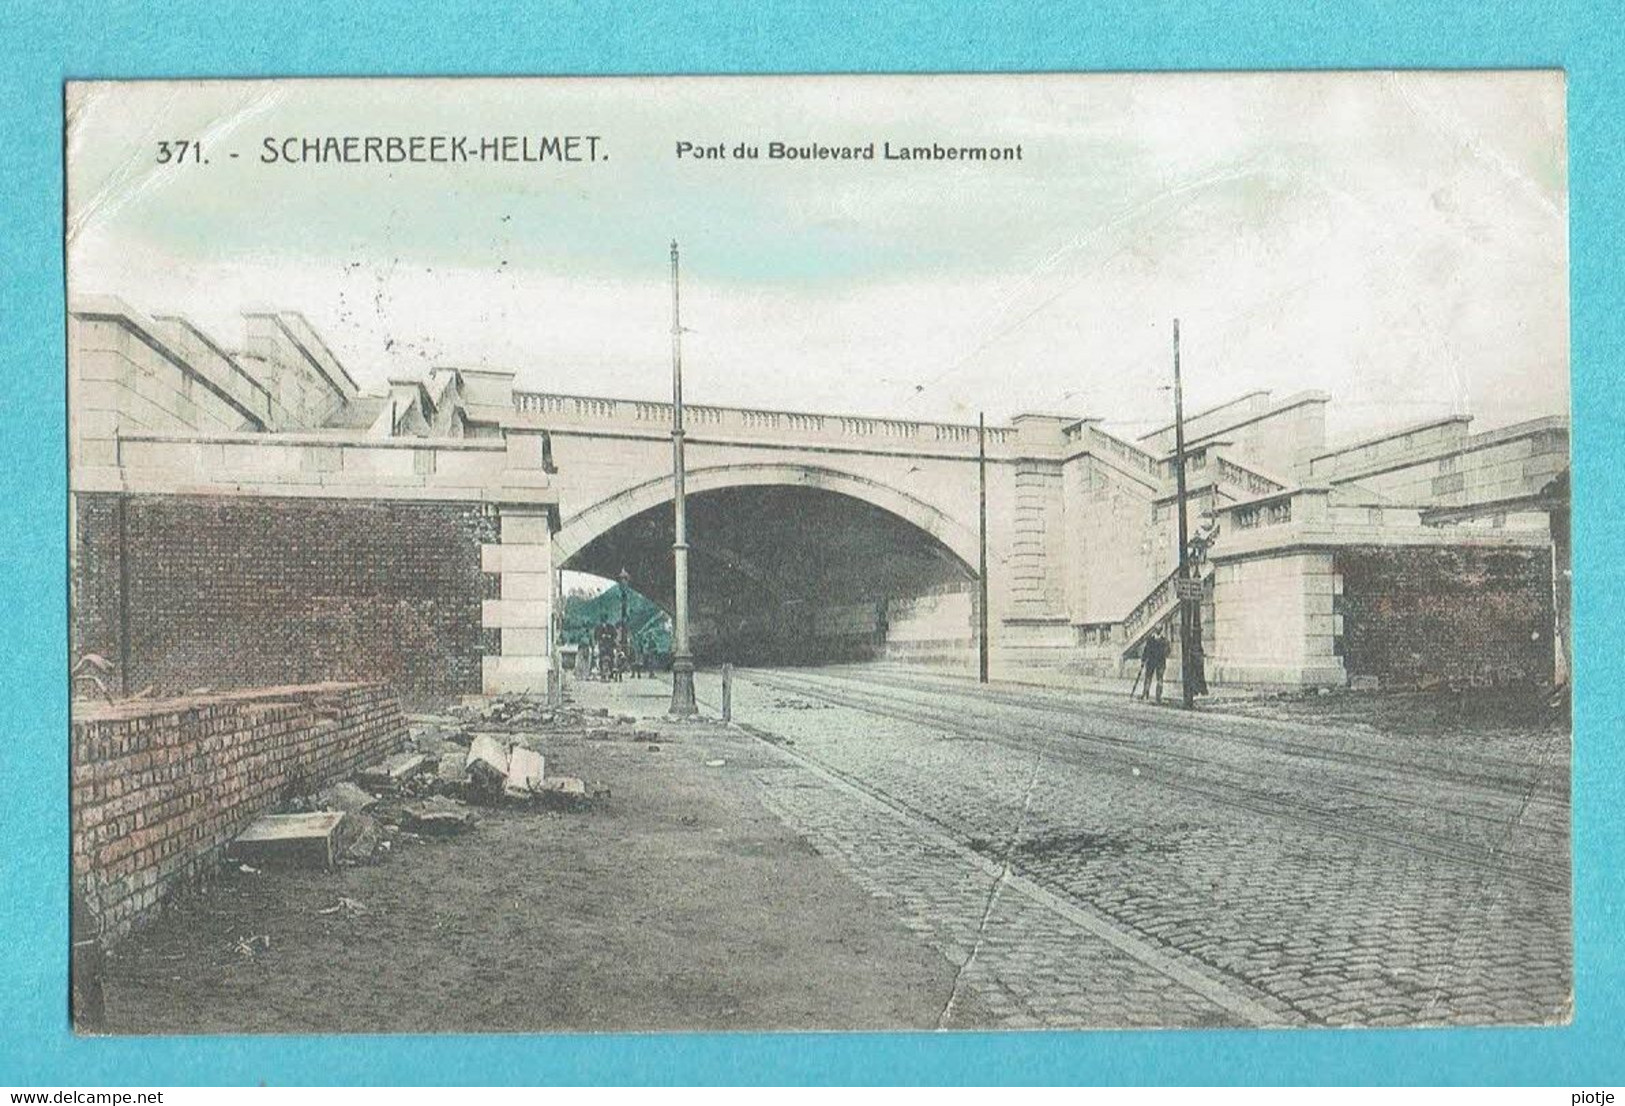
{"points": [[682, 661], [1190, 607], [625, 640]]}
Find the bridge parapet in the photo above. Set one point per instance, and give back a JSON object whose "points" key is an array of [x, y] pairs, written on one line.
{"points": [[1087, 435], [594, 412]]}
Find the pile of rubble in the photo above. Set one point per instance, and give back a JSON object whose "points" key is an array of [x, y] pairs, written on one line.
{"points": [[472, 756]]}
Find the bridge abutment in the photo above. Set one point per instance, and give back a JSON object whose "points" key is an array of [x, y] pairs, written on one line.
{"points": [[523, 614]]}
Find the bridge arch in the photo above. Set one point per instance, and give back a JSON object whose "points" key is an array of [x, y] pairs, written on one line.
{"points": [[583, 527], [789, 562]]}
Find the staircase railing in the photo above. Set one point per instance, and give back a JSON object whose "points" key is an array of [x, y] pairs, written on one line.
{"points": [[1246, 478], [1158, 603], [1149, 610]]}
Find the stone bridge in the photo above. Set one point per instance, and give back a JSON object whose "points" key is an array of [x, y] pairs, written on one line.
{"points": [[813, 536], [251, 515]]}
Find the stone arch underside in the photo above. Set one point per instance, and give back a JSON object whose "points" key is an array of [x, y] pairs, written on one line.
{"points": [[789, 564]]}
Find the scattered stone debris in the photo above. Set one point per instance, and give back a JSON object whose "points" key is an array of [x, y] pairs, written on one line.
{"points": [[452, 771], [487, 764], [487, 752], [524, 772], [349, 908], [438, 816], [394, 771], [346, 796], [369, 842], [304, 839], [564, 793], [715, 763], [248, 946], [799, 704]]}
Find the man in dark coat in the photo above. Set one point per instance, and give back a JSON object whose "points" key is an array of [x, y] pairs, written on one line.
{"points": [[1154, 662]]}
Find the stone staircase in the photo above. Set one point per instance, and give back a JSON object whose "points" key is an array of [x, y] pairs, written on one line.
{"points": [[1149, 613]]}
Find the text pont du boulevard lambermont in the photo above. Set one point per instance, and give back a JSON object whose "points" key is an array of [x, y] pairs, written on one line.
{"points": [[870, 151]]}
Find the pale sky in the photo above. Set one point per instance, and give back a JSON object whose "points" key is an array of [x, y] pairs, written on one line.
{"points": [[1398, 240]]}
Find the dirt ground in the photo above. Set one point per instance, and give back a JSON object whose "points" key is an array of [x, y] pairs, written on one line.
{"points": [[678, 902], [1433, 712]]}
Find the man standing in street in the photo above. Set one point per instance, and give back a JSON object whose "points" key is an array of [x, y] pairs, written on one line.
{"points": [[1154, 662]]}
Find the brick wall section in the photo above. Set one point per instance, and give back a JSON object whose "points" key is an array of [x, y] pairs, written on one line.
{"points": [[233, 592], [160, 788], [1458, 614]]}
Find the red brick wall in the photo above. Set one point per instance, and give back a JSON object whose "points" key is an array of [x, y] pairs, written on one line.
{"points": [[1458, 614], [160, 788], [235, 592]]}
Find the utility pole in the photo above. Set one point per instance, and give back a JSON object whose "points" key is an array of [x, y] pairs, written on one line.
{"points": [[981, 565], [1187, 689], [682, 661]]}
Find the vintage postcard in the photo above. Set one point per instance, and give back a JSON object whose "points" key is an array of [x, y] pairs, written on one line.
{"points": [[819, 553]]}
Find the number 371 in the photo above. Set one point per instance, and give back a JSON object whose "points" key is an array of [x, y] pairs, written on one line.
{"points": [[179, 151]]}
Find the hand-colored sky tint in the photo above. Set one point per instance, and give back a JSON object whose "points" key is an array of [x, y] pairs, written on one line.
{"points": [[1399, 240]]}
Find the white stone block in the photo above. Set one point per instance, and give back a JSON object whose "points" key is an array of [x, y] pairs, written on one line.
{"points": [[522, 613], [527, 585], [526, 641], [525, 768], [526, 478], [515, 674], [526, 558], [467, 466], [525, 529]]}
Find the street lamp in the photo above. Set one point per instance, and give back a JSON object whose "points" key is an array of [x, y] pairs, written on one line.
{"points": [[1192, 680], [624, 642], [682, 662]]}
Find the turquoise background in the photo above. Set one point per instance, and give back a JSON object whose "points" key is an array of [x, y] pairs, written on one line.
{"points": [[45, 44]]}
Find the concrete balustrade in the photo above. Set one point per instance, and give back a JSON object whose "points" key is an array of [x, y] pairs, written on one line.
{"points": [[641, 416]]}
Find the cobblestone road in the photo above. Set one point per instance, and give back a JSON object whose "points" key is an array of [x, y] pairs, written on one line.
{"points": [[1084, 861]]}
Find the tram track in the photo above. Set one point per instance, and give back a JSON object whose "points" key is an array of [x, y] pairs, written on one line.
{"points": [[1384, 770], [1078, 746], [1492, 776]]}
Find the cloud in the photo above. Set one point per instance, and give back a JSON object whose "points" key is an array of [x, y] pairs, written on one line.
{"points": [[1398, 240]]}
